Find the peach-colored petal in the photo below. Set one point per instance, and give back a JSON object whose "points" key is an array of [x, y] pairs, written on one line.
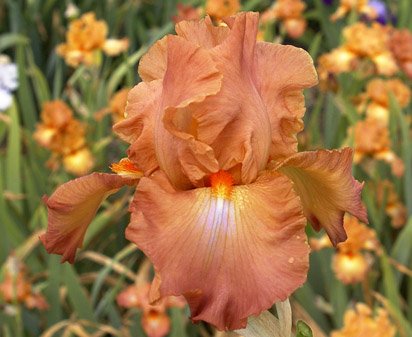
{"points": [[324, 182], [72, 207], [202, 32], [219, 9], [132, 297], [232, 253], [190, 77], [156, 323], [36, 301], [350, 268], [137, 127], [234, 122], [126, 169], [282, 92], [152, 65]]}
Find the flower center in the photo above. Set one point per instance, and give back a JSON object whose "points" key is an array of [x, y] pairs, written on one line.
{"points": [[222, 184], [126, 169]]}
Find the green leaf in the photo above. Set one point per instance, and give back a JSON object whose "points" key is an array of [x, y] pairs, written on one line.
{"points": [[303, 330], [404, 126], [13, 159], [24, 92], [402, 248], [315, 45], [77, 294], [178, 323], [11, 39], [54, 268], [390, 288]]}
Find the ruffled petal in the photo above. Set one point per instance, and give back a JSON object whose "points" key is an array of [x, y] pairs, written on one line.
{"points": [[153, 64], [190, 77], [233, 122], [203, 33], [324, 182], [72, 207], [137, 128], [231, 254], [291, 71]]}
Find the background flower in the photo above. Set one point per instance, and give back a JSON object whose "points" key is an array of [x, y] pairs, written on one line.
{"points": [[8, 81]]}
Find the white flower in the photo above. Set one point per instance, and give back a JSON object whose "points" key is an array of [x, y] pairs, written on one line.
{"points": [[8, 81]]}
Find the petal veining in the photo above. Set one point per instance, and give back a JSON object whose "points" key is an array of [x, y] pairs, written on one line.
{"points": [[324, 182], [72, 207], [231, 257], [282, 92]]}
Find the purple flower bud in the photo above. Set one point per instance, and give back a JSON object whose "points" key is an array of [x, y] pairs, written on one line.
{"points": [[383, 13]]}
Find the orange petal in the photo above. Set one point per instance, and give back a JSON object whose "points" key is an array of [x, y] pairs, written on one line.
{"points": [[350, 268], [202, 32], [156, 323], [137, 127], [324, 182], [232, 254], [190, 77], [152, 65], [282, 92], [72, 207], [126, 169], [233, 122]]}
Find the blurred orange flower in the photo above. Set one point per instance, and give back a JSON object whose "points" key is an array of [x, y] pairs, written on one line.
{"points": [[401, 46], [371, 140], [290, 13], [387, 197], [155, 321], [15, 286], [221, 207], [359, 6], [187, 12], [376, 98], [220, 9], [361, 322], [65, 137], [85, 38], [362, 44], [349, 263]]}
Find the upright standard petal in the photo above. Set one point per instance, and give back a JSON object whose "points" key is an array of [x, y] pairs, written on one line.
{"points": [[232, 251], [137, 128], [191, 76], [324, 182], [282, 92], [72, 207], [203, 32], [152, 65], [234, 121]]}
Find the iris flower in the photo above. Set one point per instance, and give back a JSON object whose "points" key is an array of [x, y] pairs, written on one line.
{"points": [[222, 195]]}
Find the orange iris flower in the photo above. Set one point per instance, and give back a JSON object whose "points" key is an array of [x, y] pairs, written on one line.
{"points": [[221, 207], [155, 321], [360, 321]]}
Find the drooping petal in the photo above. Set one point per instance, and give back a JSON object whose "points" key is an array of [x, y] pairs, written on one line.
{"points": [[231, 251], [72, 207], [282, 92], [324, 182], [137, 127]]}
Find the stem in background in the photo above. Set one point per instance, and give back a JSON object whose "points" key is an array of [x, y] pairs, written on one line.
{"points": [[267, 325]]}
